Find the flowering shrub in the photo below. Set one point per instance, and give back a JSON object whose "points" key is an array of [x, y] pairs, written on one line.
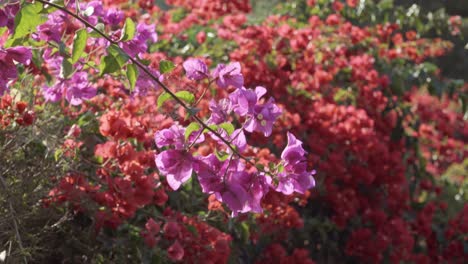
{"points": [[193, 135]]}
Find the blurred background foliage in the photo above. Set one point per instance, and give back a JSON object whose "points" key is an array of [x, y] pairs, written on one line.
{"points": [[428, 11]]}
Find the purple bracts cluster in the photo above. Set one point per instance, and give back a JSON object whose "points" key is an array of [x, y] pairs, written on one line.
{"points": [[195, 69], [138, 44], [8, 70], [226, 176], [294, 177], [228, 75]]}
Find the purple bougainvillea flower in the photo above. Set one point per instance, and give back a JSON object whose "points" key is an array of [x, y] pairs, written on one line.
{"points": [[256, 187], [176, 165], [138, 44], [237, 138], [53, 94], [263, 118], [260, 117], [227, 75], [8, 14], [79, 89], [147, 32], [294, 177], [52, 29], [8, 69], [219, 111], [173, 136], [145, 83], [114, 16], [92, 11], [243, 101], [209, 171], [235, 197], [293, 153], [3, 18], [195, 69]]}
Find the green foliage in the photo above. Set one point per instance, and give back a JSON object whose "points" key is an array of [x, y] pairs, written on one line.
{"points": [[192, 127], [166, 66], [28, 19], [186, 96], [129, 30], [79, 44], [114, 61], [132, 75]]}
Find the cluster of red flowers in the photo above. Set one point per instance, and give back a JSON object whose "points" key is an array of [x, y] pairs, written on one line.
{"points": [[15, 112]]}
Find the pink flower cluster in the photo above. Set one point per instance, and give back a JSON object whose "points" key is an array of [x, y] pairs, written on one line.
{"points": [[228, 178]]}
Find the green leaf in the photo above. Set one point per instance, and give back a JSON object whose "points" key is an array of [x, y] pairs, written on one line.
{"points": [[213, 127], [245, 232], [100, 27], [114, 60], [228, 127], [120, 55], [109, 65], [166, 66], [58, 154], [27, 19], [194, 126], [128, 30], [188, 97], [132, 75], [221, 155], [66, 69], [182, 95], [163, 98], [79, 44]]}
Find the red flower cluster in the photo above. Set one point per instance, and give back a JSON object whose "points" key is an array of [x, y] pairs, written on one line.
{"points": [[188, 238], [17, 112]]}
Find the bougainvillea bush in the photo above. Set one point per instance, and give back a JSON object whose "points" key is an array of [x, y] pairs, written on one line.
{"points": [[196, 132]]}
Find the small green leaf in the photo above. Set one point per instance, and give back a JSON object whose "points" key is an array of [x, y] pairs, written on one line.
{"points": [[166, 66], [245, 232], [58, 154], [27, 19], [99, 159], [109, 65], [132, 75], [260, 167], [163, 98], [222, 155], [213, 127], [128, 30], [228, 127], [182, 95], [194, 126], [66, 69], [79, 44], [114, 60], [188, 97], [99, 26], [118, 53]]}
